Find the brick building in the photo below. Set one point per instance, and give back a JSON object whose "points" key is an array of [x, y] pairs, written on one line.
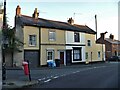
{"points": [[112, 46]]}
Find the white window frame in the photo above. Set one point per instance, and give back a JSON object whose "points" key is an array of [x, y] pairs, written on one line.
{"points": [[76, 54], [78, 38], [32, 42], [52, 58], [52, 35]]}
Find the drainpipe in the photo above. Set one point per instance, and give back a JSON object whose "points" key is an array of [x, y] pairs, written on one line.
{"points": [[39, 46]]}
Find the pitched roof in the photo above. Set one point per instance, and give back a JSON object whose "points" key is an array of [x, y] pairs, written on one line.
{"points": [[86, 29], [112, 41], [40, 22]]}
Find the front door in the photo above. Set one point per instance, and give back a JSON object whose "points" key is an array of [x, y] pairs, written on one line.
{"points": [[62, 57], [68, 57]]}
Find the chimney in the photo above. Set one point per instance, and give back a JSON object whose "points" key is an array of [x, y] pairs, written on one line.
{"points": [[36, 13], [102, 36], [70, 21], [111, 36], [18, 11]]}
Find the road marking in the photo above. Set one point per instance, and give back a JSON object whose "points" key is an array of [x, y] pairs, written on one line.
{"points": [[41, 79], [77, 71], [56, 77], [47, 80], [74, 72], [94, 67], [51, 76]]}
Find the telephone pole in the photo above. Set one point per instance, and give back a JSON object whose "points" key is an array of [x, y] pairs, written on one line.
{"points": [[4, 43], [96, 25]]}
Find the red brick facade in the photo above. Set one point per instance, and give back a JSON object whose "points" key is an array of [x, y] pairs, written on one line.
{"points": [[112, 46]]}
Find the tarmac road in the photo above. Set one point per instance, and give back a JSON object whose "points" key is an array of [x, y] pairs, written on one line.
{"points": [[99, 75], [93, 77]]}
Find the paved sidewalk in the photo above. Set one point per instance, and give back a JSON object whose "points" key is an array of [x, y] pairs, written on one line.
{"points": [[18, 84], [17, 79]]}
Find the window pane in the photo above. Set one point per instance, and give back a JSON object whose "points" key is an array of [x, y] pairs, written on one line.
{"points": [[86, 55], [52, 35], [76, 54], [98, 54], [50, 55], [32, 40], [76, 37], [89, 43]]}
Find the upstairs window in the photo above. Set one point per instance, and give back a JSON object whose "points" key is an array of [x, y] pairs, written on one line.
{"points": [[52, 35], [76, 37], [88, 42], [32, 40]]}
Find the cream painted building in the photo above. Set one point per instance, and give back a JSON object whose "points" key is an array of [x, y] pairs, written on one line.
{"points": [[49, 40], [94, 52]]}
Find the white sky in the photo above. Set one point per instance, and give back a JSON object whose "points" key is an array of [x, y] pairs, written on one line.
{"points": [[60, 10]]}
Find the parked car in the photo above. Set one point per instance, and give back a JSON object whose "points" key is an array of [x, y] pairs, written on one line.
{"points": [[119, 58], [114, 58]]}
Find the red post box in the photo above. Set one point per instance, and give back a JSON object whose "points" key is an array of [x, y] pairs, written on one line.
{"points": [[26, 68]]}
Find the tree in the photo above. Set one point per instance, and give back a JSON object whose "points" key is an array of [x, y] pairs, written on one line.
{"points": [[13, 43]]}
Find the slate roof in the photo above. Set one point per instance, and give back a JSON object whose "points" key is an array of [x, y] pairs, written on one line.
{"points": [[112, 41], [40, 22]]}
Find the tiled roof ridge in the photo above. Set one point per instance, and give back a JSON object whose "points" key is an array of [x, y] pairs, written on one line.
{"points": [[44, 19], [41, 22], [114, 40]]}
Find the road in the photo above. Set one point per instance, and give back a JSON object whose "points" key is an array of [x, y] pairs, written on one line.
{"points": [[105, 76]]}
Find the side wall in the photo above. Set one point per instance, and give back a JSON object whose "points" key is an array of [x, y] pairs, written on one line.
{"points": [[18, 56], [94, 49]]}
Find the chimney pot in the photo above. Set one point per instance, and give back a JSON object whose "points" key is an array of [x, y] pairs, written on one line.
{"points": [[18, 10], [111, 36], [71, 21], [36, 13]]}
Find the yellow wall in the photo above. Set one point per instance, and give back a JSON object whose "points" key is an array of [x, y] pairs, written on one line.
{"points": [[94, 48], [56, 45], [60, 36], [44, 49], [29, 30]]}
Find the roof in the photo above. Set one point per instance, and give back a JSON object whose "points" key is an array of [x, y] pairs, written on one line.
{"points": [[45, 23], [85, 28], [112, 41]]}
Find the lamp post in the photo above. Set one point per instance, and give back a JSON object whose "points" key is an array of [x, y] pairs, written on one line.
{"points": [[4, 43]]}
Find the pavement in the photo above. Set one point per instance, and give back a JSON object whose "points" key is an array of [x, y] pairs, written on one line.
{"points": [[17, 79]]}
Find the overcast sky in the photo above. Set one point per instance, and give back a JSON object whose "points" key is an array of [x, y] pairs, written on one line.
{"points": [[82, 11]]}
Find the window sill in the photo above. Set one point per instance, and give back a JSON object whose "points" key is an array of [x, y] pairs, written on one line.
{"points": [[32, 45]]}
